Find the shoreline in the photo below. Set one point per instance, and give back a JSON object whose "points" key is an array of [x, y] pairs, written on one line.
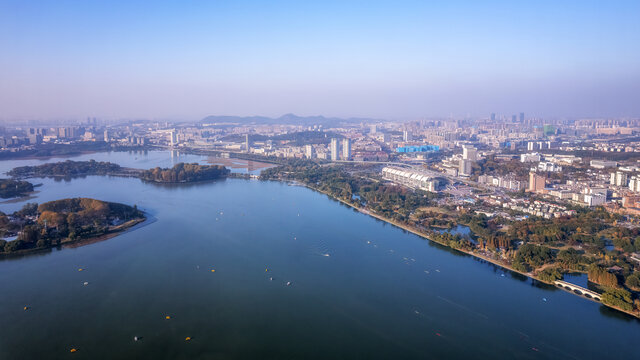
{"points": [[467, 252]]}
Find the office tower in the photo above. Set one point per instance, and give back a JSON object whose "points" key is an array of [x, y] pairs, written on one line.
{"points": [[247, 144], [513, 118], [522, 118], [346, 149], [493, 116], [374, 129], [106, 136], [334, 149]]}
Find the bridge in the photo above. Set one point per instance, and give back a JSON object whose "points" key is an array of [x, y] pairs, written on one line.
{"points": [[578, 289]]}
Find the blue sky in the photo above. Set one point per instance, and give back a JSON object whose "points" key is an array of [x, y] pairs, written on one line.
{"points": [[395, 59]]}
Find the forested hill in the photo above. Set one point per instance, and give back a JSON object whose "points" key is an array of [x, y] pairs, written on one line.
{"points": [[63, 221], [14, 188], [181, 173], [66, 168]]}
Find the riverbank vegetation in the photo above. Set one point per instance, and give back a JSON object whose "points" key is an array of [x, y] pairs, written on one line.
{"points": [[182, 172], [63, 221], [544, 249], [14, 188]]}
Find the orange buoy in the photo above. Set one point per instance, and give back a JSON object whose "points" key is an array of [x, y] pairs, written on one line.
{"points": [[187, 338], [26, 308], [213, 270], [73, 350], [80, 269], [167, 317]]}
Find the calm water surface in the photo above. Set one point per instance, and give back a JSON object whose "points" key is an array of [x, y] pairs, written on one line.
{"points": [[359, 288]]}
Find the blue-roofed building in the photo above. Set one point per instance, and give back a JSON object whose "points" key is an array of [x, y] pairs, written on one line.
{"points": [[421, 148]]}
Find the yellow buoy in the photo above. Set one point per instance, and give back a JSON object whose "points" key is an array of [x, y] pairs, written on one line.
{"points": [[80, 269], [213, 270], [267, 269], [26, 308], [73, 350], [167, 317], [187, 338]]}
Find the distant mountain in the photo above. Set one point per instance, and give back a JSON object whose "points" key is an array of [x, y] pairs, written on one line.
{"points": [[289, 119]]}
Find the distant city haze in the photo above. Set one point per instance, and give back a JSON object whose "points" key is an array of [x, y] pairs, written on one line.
{"points": [[394, 60]]}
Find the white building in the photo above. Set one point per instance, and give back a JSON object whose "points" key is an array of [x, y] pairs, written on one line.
{"points": [[634, 184], [595, 199], [334, 148], [308, 151], [173, 138], [619, 178], [469, 153], [464, 167], [602, 164], [532, 157], [549, 166], [346, 149], [410, 178]]}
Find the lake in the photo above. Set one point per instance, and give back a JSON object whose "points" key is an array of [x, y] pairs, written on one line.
{"points": [[357, 287]]}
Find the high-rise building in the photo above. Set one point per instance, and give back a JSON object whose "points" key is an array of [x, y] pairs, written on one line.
{"points": [[346, 149], [493, 116], [513, 118], [247, 143], [536, 182], [464, 167], [469, 153], [407, 136], [174, 138], [106, 136], [308, 151], [373, 129], [334, 149], [619, 178], [522, 118]]}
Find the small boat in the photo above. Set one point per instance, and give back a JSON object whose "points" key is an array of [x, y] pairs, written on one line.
{"points": [[85, 283], [327, 254], [136, 338], [288, 283]]}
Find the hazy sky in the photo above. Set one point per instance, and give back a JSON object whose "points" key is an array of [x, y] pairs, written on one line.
{"points": [[395, 59]]}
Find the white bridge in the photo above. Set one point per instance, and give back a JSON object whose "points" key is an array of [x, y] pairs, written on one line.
{"points": [[578, 289]]}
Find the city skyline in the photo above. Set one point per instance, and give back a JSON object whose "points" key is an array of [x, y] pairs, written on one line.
{"points": [[395, 61]]}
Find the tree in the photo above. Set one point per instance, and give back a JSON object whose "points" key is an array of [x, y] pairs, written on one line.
{"points": [[633, 282]]}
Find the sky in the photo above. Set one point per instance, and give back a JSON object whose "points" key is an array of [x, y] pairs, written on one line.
{"points": [[184, 60]]}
